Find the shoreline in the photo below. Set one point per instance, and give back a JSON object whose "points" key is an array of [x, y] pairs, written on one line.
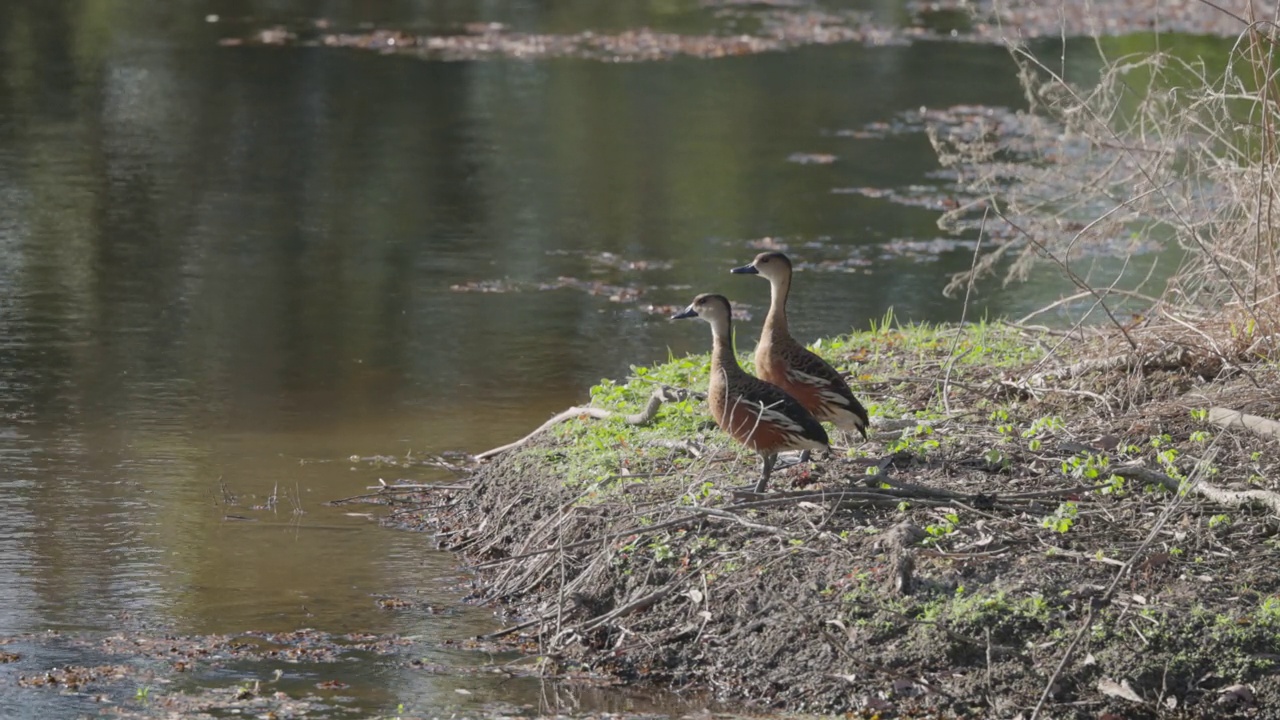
{"points": [[1022, 500]]}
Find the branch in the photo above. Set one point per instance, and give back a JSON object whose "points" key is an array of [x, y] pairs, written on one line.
{"points": [[1234, 498], [644, 417], [712, 512], [1229, 418]]}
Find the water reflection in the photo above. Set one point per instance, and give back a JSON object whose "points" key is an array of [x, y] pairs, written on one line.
{"points": [[207, 246], [231, 268]]}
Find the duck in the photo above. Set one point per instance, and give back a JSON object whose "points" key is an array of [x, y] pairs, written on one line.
{"points": [[757, 414], [781, 360]]}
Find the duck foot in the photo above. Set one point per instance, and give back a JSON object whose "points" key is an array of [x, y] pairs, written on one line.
{"points": [[792, 459]]}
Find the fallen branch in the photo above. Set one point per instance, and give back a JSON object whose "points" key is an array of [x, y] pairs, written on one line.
{"points": [[1129, 361], [634, 605], [1040, 388], [1228, 418], [583, 543], [1234, 498], [514, 628], [1082, 295], [851, 498], [660, 395], [385, 490], [712, 512]]}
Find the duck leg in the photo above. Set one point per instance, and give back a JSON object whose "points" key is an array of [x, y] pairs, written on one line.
{"points": [[769, 460]]}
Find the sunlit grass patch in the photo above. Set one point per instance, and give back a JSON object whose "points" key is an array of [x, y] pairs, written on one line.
{"points": [[901, 362]]}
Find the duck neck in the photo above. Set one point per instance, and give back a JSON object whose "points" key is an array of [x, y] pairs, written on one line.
{"points": [[775, 323], [723, 359]]}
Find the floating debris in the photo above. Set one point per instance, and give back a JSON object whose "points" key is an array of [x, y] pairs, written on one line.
{"points": [[767, 244], [774, 25], [615, 262], [738, 311], [485, 286], [990, 21], [851, 264], [811, 158], [293, 647], [598, 288], [75, 677], [924, 196], [606, 261], [776, 29], [391, 602], [958, 123]]}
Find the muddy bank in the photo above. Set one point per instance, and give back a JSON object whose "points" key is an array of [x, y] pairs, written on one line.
{"points": [[1040, 520]]}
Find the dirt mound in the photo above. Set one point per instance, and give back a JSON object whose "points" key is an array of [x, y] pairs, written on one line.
{"points": [[1029, 527]]}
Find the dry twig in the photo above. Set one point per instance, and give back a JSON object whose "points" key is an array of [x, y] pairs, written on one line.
{"points": [[660, 395]]}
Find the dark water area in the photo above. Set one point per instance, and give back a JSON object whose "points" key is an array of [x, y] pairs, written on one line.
{"points": [[226, 270]]}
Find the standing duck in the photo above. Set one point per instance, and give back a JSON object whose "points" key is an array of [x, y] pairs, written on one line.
{"points": [[791, 366], [760, 416]]}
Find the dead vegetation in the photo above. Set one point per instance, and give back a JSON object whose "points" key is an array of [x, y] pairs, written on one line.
{"points": [[998, 20], [1157, 148], [741, 31], [759, 26]]}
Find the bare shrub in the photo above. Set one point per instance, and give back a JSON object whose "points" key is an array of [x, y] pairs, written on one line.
{"points": [[1160, 151]]}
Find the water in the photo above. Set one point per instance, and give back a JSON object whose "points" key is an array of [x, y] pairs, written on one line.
{"points": [[223, 271]]}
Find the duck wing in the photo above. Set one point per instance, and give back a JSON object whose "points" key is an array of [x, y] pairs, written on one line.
{"points": [[824, 383], [781, 413]]}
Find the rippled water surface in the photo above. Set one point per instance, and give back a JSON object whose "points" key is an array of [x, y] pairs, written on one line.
{"points": [[226, 270]]}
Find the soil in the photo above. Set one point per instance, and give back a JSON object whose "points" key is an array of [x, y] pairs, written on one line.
{"points": [[1063, 529]]}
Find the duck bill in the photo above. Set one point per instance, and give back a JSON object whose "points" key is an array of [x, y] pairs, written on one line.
{"points": [[746, 270], [686, 313]]}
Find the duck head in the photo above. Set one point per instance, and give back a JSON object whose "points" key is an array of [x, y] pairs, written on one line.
{"points": [[770, 265], [708, 306]]}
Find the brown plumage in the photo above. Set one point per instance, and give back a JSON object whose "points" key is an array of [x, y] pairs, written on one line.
{"points": [[757, 414], [791, 366]]}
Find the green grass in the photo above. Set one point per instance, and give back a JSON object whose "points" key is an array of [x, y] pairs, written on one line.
{"points": [[601, 455], [1230, 645]]}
